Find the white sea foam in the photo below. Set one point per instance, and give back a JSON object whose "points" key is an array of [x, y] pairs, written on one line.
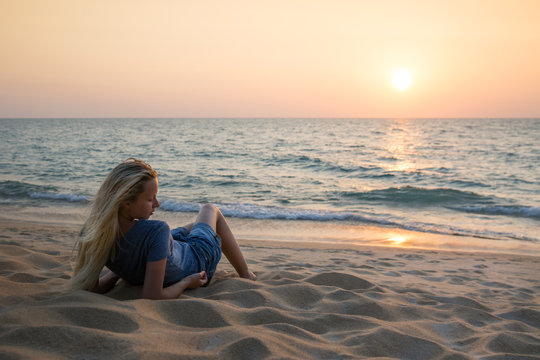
{"points": [[65, 197], [532, 212], [250, 211]]}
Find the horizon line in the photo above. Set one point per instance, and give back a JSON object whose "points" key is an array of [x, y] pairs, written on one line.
{"points": [[266, 117]]}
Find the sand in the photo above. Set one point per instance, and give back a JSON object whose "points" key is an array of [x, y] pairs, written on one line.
{"points": [[311, 301]]}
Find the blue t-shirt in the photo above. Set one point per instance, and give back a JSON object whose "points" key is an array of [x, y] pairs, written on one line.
{"points": [[151, 240]]}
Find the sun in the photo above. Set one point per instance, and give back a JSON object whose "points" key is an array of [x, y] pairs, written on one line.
{"points": [[402, 79]]}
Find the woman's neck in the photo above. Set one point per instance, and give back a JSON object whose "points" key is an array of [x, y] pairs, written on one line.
{"points": [[125, 224]]}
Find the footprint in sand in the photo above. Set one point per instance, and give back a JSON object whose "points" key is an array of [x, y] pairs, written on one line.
{"points": [[514, 343], [249, 347], [411, 256], [344, 281], [100, 319], [26, 278], [528, 316], [191, 313]]}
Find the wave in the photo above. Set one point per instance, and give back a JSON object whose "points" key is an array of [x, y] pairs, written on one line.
{"points": [[60, 196], [317, 164], [18, 189], [410, 195], [455, 200], [532, 212], [249, 211], [22, 190], [468, 183]]}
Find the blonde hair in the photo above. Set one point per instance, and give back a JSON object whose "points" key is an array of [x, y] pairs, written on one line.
{"points": [[96, 242]]}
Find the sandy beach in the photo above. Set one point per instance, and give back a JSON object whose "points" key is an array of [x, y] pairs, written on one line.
{"points": [[311, 301], [377, 162]]}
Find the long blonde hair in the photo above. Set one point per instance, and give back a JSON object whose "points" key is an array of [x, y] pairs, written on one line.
{"points": [[96, 242]]}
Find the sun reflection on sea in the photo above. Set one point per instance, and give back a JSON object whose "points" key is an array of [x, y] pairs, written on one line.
{"points": [[402, 143], [397, 240]]}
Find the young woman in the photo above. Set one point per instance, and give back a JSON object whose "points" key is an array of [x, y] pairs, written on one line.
{"points": [[145, 252]]}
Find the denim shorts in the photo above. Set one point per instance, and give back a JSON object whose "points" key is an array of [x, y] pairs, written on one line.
{"points": [[205, 243]]}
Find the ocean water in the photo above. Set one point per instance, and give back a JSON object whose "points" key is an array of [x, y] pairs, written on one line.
{"points": [[474, 178]]}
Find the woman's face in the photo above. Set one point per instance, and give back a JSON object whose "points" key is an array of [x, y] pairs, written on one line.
{"points": [[145, 204]]}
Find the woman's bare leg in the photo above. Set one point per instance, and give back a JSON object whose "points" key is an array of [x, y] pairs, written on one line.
{"points": [[211, 215]]}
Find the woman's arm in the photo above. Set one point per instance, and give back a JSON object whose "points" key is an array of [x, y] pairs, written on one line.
{"points": [[153, 282], [105, 283]]}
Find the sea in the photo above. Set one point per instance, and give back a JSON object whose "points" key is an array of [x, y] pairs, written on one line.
{"points": [[476, 181]]}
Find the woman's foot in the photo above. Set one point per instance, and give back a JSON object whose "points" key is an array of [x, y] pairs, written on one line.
{"points": [[248, 275]]}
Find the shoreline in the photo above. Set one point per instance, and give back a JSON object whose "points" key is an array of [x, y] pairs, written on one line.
{"points": [[301, 232], [311, 301]]}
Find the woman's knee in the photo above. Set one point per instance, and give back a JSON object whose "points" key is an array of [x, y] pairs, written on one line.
{"points": [[208, 214], [209, 207]]}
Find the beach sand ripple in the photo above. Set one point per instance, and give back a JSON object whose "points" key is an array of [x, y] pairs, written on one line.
{"points": [[308, 303]]}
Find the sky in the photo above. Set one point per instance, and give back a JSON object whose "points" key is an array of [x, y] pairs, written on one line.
{"points": [[278, 58]]}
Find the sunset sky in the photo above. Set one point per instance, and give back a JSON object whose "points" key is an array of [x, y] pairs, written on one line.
{"points": [[258, 58]]}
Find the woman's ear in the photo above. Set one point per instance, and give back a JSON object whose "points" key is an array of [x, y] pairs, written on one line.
{"points": [[125, 205]]}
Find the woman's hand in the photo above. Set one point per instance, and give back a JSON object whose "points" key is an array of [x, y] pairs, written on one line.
{"points": [[105, 283], [153, 282], [196, 280]]}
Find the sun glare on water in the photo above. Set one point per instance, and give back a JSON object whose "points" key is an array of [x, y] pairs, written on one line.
{"points": [[402, 79], [397, 240]]}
